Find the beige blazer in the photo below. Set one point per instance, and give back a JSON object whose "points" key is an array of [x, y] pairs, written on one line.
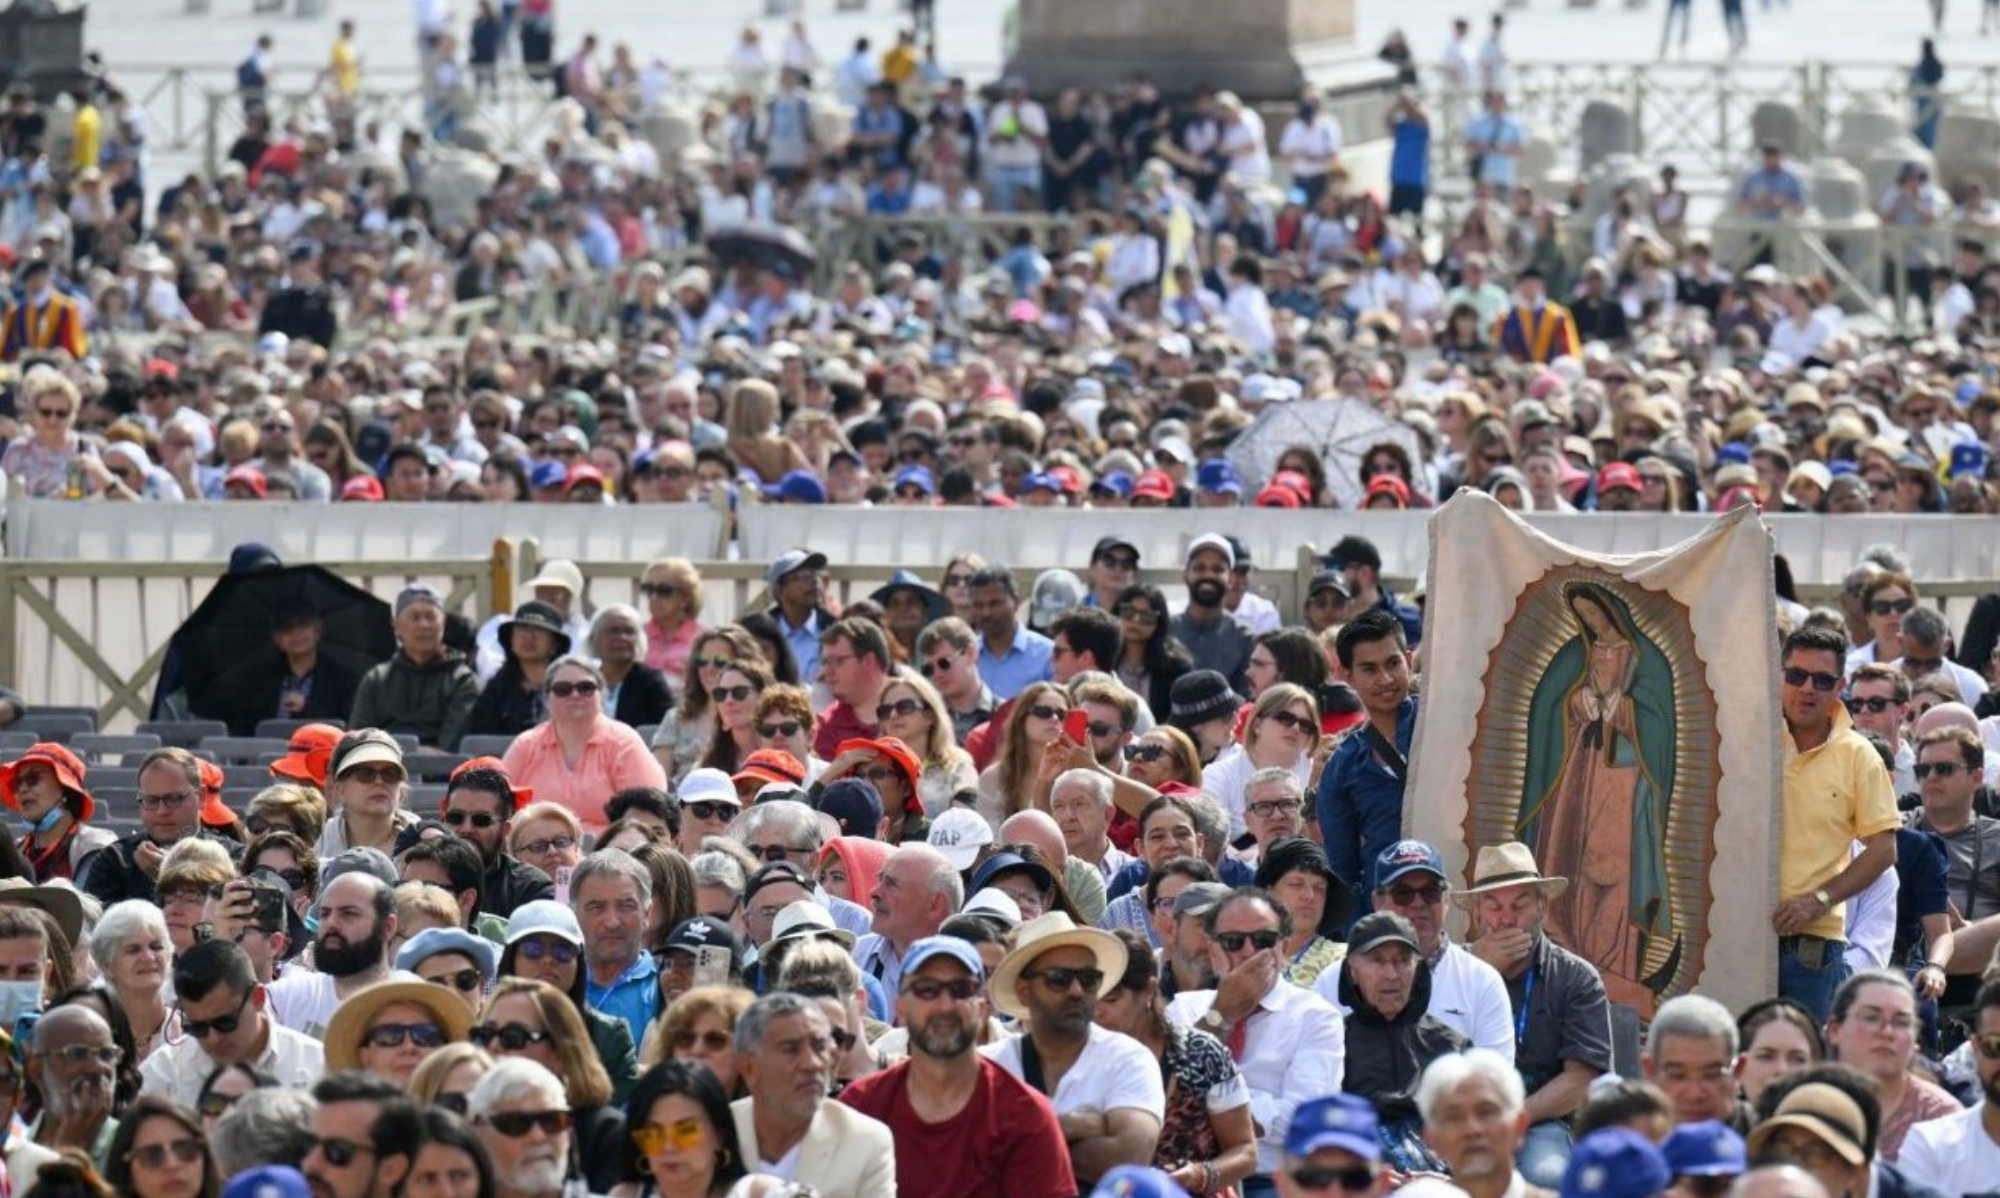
{"points": [[845, 1153]]}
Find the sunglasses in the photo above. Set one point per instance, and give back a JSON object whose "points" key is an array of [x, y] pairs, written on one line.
{"points": [[932, 668], [457, 1104], [392, 1035], [711, 663], [563, 690], [773, 852], [686, 1039], [710, 811], [372, 775], [1139, 615], [186, 1150], [554, 844], [928, 989], [1875, 705], [1042, 711], [478, 819], [782, 730], [1060, 980], [518, 1123], [1233, 942], [958, 580], [1891, 607], [1410, 896], [514, 1037], [221, 1025], [1352, 1178], [1296, 723], [1942, 769], [462, 979], [658, 590], [1822, 682], [886, 711], [1119, 561], [652, 1139], [215, 1106], [734, 694], [338, 1152], [560, 951], [1144, 752]]}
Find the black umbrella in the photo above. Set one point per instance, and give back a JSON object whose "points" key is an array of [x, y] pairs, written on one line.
{"points": [[774, 247], [227, 641]]}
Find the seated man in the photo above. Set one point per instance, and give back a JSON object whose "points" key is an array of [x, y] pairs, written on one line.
{"points": [[1385, 989]]}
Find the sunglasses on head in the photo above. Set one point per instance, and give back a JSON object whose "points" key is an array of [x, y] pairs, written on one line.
{"points": [[783, 729], [560, 951], [459, 979], [1352, 1178], [886, 711], [1060, 980], [1942, 769], [513, 1037], [928, 989], [478, 819], [563, 690], [186, 1150], [710, 811], [1821, 681], [1144, 752], [518, 1123], [1232, 942], [1891, 607], [392, 1035]]}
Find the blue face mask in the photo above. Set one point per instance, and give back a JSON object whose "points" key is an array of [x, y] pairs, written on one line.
{"points": [[48, 820]]}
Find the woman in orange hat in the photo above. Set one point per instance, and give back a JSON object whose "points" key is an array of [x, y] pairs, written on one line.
{"points": [[45, 784]]}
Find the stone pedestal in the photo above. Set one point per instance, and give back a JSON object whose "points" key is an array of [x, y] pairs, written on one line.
{"points": [[1260, 49]]}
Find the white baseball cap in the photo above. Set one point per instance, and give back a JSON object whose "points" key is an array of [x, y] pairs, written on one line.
{"points": [[996, 903], [707, 785], [959, 834]]}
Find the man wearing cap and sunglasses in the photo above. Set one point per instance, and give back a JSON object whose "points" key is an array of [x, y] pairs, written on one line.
{"points": [[426, 687], [1331, 1143], [479, 805]]}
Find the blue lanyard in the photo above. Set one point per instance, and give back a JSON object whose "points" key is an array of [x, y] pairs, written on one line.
{"points": [[1521, 1016]]}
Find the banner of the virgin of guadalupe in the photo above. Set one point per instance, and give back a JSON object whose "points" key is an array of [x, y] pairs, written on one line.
{"points": [[1618, 715]]}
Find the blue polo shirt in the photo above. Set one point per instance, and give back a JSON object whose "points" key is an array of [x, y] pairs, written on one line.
{"points": [[1030, 659], [1361, 805], [633, 997], [804, 641]]}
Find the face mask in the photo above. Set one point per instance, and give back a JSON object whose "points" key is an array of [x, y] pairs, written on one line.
{"points": [[48, 819], [18, 999]]}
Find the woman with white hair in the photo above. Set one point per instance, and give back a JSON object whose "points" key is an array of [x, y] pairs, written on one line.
{"points": [[634, 692], [133, 954]]}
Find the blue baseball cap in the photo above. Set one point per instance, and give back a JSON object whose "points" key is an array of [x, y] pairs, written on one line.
{"points": [[1113, 482], [268, 1181], [958, 950], [1840, 466], [1041, 480], [1137, 1181], [543, 475], [1345, 1121], [1403, 857], [1968, 390], [1968, 457], [917, 476], [1615, 1162], [1735, 452], [1217, 475], [432, 941], [800, 486], [1710, 1148]]}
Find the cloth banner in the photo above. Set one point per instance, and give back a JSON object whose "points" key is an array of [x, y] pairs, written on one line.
{"points": [[1618, 715]]}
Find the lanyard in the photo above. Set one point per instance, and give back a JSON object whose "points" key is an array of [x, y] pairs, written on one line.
{"points": [[1521, 1016]]}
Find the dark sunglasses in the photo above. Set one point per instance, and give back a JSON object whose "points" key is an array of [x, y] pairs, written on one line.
{"points": [[1060, 980], [455, 1103], [1042, 711], [462, 979], [1232, 942], [1874, 705], [1891, 607], [560, 951], [958, 580], [658, 590], [1100, 729], [711, 663], [710, 811], [186, 1150], [478, 819], [1352, 1178], [1139, 615], [928, 989], [1943, 769], [1144, 752], [514, 1037], [931, 668], [885, 711], [773, 852], [563, 690], [1410, 896], [392, 1035], [1822, 682], [785, 729], [736, 694], [1119, 561], [1294, 722], [687, 1038], [517, 1123], [215, 1106], [372, 775], [338, 1152], [221, 1025]]}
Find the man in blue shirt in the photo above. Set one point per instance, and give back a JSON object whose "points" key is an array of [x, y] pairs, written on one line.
{"points": [[1494, 139], [1409, 157], [795, 586], [1010, 656], [612, 895], [1771, 192], [1361, 790], [1359, 565]]}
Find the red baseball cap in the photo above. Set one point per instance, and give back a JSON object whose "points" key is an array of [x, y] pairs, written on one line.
{"points": [[1071, 480], [1278, 495], [584, 473], [1295, 482], [766, 766], [307, 754], [69, 770], [362, 488], [214, 812], [523, 795], [1153, 484], [1388, 484], [1616, 475], [250, 477]]}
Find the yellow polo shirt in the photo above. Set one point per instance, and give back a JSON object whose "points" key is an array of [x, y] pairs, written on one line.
{"points": [[1835, 795]]}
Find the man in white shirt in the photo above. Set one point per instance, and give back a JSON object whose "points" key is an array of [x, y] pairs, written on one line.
{"points": [[1105, 1085], [1474, 1108], [1960, 1154], [1310, 144], [1493, 58], [357, 925], [1080, 800], [1455, 66], [1925, 641], [1248, 308], [1016, 130], [225, 1020], [788, 1127], [1467, 994], [1243, 142], [1290, 1043]]}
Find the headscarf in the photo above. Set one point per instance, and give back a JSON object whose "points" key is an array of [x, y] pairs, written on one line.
{"points": [[864, 858]]}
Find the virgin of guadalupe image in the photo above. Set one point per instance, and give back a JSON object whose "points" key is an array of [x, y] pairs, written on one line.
{"points": [[1599, 778]]}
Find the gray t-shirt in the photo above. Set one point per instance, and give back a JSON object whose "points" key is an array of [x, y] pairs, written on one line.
{"points": [[1973, 855]]}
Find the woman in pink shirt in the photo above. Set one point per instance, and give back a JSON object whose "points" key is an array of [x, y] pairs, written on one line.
{"points": [[671, 588], [580, 757]]}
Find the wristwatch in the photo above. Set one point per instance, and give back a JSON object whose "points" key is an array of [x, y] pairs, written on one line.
{"points": [[204, 931], [1823, 898], [1213, 1022]]}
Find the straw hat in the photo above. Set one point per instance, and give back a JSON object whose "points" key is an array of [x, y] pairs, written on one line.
{"points": [[1044, 935], [350, 1023], [1511, 864]]}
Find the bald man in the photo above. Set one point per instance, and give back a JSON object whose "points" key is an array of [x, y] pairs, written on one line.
{"points": [[74, 1066], [1080, 878], [916, 890]]}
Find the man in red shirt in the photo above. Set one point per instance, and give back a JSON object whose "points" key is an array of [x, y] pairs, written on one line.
{"points": [[964, 1127], [854, 664]]}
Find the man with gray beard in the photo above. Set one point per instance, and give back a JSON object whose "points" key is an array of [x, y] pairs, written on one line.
{"points": [[964, 1127], [73, 1066], [522, 1114]]}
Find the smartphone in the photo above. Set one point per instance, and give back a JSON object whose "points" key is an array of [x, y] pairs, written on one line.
{"points": [[268, 911], [562, 884], [711, 966], [1076, 726]]}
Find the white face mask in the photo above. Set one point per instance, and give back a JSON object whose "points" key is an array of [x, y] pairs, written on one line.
{"points": [[18, 999]]}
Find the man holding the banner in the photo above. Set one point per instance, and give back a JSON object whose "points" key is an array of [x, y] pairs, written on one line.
{"points": [[1836, 792]]}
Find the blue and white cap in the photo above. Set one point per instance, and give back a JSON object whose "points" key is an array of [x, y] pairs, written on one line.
{"points": [[1345, 1121]]}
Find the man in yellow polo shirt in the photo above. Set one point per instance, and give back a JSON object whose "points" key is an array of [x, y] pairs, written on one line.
{"points": [[1836, 793]]}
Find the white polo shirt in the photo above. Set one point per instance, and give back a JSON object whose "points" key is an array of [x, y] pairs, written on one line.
{"points": [[1954, 1154], [1467, 995], [1113, 1072]]}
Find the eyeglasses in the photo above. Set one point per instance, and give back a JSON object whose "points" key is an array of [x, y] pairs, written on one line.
{"points": [[932, 668], [711, 663], [372, 775], [774, 852], [688, 1038], [187, 1150], [1144, 752], [560, 951], [958, 580], [215, 1106], [1139, 615], [1352, 1178], [1410, 896], [513, 1037], [1943, 769], [1875, 1021], [1875, 704], [221, 1025], [563, 690], [462, 979], [1043, 711], [1296, 723], [518, 1123], [554, 844], [782, 730], [878, 774], [160, 802], [734, 694], [658, 590], [78, 1054], [478, 819], [1232, 942], [888, 711], [392, 1035], [710, 811], [1919, 666], [457, 1104], [1270, 807], [1821, 682], [929, 989], [1987, 1046], [1119, 561], [1060, 980], [1891, 607], [682, 1134]]}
